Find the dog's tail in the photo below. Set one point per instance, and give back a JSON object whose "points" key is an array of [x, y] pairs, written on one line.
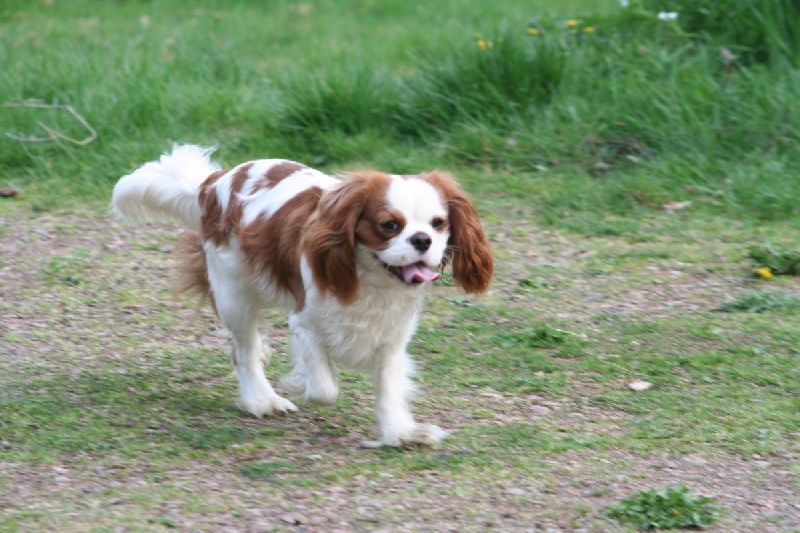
{"points": [[167, 188]]}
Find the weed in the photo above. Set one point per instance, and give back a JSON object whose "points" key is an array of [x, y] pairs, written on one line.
{"points": [[779, 261], [344, 103], [763, 302], [66, 269], [755, 30], [477, 83], [668, 508], [544, 336], [263, 469]]}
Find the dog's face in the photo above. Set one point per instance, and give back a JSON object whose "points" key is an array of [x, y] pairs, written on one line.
{"points": [[407, 226]]}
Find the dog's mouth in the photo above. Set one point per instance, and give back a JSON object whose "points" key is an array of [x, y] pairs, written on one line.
{"points": [[412, 274]]}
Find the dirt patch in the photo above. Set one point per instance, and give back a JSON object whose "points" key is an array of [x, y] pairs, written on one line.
{"points": [[81, 293]]}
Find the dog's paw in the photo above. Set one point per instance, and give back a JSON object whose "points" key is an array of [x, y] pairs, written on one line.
{"points": [[418, 435], [293, 383], [271, 405], [296, 384]]}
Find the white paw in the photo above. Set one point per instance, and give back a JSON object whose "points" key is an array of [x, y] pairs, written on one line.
{"points": [[270, 405], [417, 435], [296, 384]]}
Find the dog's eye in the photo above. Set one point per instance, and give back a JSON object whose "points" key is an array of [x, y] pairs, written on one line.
{"points": [[437, 223], [391, 227]]}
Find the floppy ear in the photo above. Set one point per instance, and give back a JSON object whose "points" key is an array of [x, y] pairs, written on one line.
{"points": [[467, 249], [330, 241]]}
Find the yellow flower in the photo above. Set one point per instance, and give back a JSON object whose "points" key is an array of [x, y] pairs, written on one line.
{"points": [[588, 29], [482, 44], [763, 272], [533, 31], [571, 23]]}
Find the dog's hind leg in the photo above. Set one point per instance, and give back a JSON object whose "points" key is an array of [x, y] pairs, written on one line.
{"points": [[238, 304]]}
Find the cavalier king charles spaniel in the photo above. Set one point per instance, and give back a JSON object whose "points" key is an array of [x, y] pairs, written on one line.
{"points": [[351, 261]]}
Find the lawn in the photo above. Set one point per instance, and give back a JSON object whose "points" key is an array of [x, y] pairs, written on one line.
{"points": [[631, 173]]}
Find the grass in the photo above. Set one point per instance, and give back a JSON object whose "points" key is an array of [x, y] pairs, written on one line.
{"points": [[669, 508], [761, 302], [571, 141], [633, 115]]}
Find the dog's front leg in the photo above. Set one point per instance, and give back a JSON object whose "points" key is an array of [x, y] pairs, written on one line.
{"points": [[393, 388], [313, 377]]}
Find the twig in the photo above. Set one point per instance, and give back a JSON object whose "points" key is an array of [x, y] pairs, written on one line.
{"points": [[54, 136]]}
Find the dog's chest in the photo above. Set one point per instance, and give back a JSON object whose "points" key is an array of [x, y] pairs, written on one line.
{"points": [[377, 321]]}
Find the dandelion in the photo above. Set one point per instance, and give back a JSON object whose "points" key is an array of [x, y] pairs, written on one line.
{"points": [[668, 15], [763, 272], [588, 29], [571, 23], [533, 31], [482, 44]]}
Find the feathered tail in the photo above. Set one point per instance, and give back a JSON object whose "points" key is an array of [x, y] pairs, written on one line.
{"points": [[166, 188]]}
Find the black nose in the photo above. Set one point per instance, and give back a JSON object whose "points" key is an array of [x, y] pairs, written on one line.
{"points": [[421, 241]]}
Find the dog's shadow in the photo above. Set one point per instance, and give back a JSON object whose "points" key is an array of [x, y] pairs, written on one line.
{"points": [[133, 409]]}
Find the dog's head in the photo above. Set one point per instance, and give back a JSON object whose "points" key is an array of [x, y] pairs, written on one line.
{"points": [[409, 227]]}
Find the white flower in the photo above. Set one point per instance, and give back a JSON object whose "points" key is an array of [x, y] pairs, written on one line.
{"points": [[668, 15], [624, 3]]}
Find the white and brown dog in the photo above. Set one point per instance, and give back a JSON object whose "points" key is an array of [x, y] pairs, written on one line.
{"points": [[351, 260]]}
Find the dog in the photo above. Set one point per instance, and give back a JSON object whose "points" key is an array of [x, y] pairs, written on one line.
{"points": [[350, 259]]}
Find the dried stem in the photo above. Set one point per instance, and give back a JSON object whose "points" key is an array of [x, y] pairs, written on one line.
{"points": [[53, 135]]}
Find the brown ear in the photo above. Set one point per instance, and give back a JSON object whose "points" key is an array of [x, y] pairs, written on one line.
{"points": [[467, 249], [330, 242]]}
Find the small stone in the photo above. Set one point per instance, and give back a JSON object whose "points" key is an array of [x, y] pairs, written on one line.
{"points": [[639, 386], [292, 519], [516, 491], [540, 410], [696, 459], [317, 520]]}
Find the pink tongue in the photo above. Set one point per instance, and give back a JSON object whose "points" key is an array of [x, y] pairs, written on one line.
{"points": [[419, 272]]}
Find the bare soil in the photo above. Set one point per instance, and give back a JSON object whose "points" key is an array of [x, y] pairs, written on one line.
{"points": [[44, 331]]}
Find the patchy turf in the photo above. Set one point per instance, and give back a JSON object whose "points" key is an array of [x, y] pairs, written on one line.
{"points": [[117, 408]]}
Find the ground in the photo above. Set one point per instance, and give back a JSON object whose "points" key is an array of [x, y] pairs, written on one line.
{"points": [[119, 411]]}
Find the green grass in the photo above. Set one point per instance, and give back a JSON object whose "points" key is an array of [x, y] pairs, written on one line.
{"points": [[762, 302], [668, 508], [571, 141], [638, 113]]}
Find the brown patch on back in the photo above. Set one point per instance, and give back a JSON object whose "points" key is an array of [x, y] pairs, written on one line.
{"points": [[215, 224], [211, 213], [271, 246], [346, 215], [467, 248], [235, 207], [276, 174]]}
